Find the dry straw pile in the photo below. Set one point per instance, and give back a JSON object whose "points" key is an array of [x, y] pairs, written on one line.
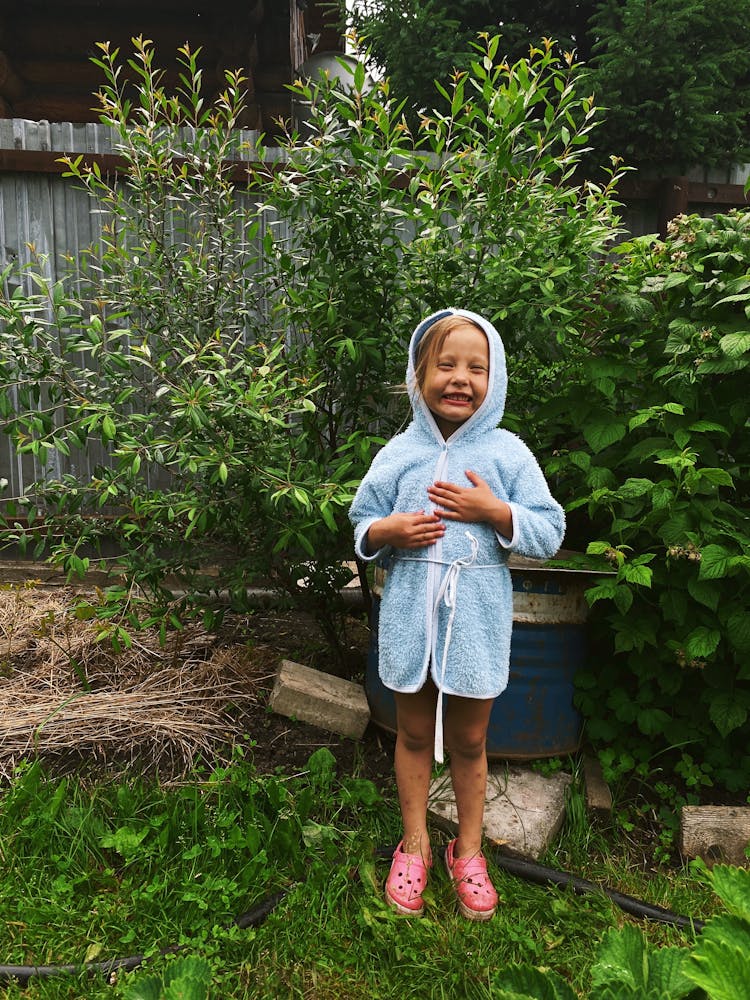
{"points": [[66, 696]]}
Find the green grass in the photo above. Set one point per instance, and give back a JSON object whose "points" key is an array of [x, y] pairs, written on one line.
{"points": [[91, 872]]}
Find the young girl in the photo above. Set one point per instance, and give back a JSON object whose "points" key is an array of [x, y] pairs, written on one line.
{"points": [[442, 506]]}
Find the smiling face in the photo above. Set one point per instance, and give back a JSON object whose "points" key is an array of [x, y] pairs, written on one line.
{"points": [[456, 377]]}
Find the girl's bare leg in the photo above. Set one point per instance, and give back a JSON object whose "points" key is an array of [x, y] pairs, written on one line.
{"points": [[413, 763], [466, 722]]}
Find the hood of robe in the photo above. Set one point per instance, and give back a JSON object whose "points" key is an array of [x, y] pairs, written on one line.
{"points": [[490, 413]]}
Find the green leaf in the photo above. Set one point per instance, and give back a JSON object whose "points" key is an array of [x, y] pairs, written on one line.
{"points": [[185, 988], [327, 515], [524, 980], [623, 598], [732, 886], [640, 418], [109, 430], [359, 76], [602, 434], [734, 345], [673, 531], [620, 959], [717, 477], [662, 495], [715, 562], [597, 548], [681, 437], [652, 721], [727, 713], [738, 631], [639, 575], [189, 967], [675, 279], [720, 962], [705, 592], [125, 840], [581, 459], [702, 642], [632, 488], [666, 973], [706, 426], [601, 592], [145, 988]]}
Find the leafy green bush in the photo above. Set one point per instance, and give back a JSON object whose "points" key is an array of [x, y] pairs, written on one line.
{"points": [[237, 396], [147, 356], [653, 458]]}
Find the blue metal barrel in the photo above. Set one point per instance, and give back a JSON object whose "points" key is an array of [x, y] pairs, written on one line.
{"points": [[535, 715]]}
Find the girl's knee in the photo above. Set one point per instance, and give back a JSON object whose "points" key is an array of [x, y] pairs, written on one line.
{"points": [[466, 724], [470, 743], [415, 715], [415, 738]]}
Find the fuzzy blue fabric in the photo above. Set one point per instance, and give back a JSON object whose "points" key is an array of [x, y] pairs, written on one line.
{"points": [[448, 608]]}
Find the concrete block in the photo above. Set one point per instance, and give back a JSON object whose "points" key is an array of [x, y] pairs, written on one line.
{"points": [[523, 810], [716, 834], [320, 699]]}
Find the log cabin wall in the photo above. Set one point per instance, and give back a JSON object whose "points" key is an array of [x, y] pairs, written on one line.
{"points": [[46, 47]]}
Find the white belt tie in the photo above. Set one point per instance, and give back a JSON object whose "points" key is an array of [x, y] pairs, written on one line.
{"points": [[447, 593]]}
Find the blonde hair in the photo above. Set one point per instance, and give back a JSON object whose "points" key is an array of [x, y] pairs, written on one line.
{"points": [[431, 344]]}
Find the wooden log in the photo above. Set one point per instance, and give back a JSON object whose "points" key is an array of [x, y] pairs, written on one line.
{"points": [[256, 13], [243, 20], [243, 56], [140, 10], [56, 107], [250, 118], [78, 73], [11, 85], [598, 795], [83, 77], [60, 36], [716, 834], [273, 78]]}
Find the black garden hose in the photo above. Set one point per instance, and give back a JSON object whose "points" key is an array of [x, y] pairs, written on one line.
{"points": [[22, 973], [523, 868], [542, 875]]}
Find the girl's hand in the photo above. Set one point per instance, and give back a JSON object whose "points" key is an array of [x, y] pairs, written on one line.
{"points": [[405, 531], [472, 503]]}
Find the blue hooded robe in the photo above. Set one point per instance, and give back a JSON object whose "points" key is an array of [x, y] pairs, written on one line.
{"points": [[448, 608]]}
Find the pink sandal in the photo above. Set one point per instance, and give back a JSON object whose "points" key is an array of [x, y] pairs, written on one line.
{"points": [[406, 882], [476, 894]]}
